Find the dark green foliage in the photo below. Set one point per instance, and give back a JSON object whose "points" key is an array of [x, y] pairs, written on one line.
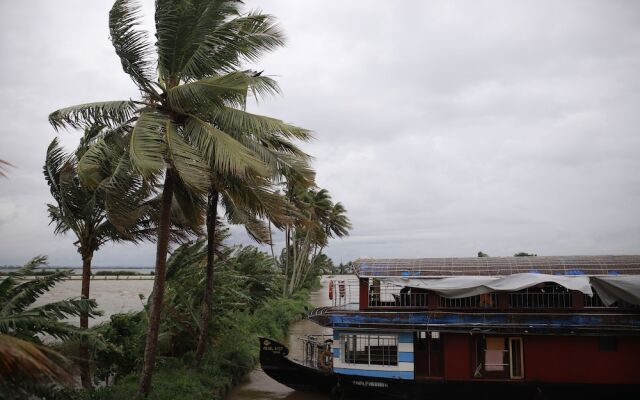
{"points": [[125, 335], [523, 254], [246, 306], [234, 353]]}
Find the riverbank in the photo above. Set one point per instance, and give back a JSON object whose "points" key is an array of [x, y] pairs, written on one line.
{"points": [[234, 353], [258, 386]]}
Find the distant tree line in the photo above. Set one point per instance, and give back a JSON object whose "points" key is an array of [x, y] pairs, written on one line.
{"points": [[519, 254]]}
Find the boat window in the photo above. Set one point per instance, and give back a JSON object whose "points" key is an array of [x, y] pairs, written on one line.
{"points": [[488, 300], [370, 349], [498, 357]]}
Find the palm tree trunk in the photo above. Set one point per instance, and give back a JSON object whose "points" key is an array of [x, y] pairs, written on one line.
{"points": [[212, 215], [286, 263], [158, 287], [273, 254], [85, 368], [299, 261], [291, 287]]}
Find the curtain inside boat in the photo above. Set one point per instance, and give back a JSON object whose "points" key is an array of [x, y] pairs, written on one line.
{"points": [[465, 286], [614, 288]]}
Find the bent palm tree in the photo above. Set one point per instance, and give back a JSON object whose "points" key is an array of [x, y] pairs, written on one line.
{"points": [[180, 127], [250, 200], [83, 211], [317, 220]]}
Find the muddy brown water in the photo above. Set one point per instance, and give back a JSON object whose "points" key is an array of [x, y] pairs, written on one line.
{"points": [[113, 296], [259, 386]]}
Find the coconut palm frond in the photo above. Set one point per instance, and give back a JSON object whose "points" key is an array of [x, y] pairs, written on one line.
{"points": [[255, 228], [23, 293], [236, 120], [224, 46], [186, 161], [147, 148], [106, 113], [132, 45], [225, 154], [18, 315], [23, 359], [189, 207], [233, 88]]}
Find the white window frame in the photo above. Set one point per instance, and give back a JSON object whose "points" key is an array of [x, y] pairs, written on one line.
{"points": [[344, 340]]}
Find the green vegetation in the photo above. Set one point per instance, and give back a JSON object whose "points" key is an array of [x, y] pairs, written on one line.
{"points": [[233, 354], [160, 167], [245, 306], [190, 131], [28, 367]]}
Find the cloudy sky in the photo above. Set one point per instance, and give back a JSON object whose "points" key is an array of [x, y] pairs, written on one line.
{"points": [[445, 127]]}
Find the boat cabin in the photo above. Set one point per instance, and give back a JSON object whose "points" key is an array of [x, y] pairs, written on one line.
{"points": [[548, 322]]}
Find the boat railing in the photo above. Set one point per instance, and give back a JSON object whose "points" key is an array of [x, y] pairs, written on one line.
{"points": [[552, 298], [383, 295], [316, 351], [343, 292], [487, 300], [418, 300]]}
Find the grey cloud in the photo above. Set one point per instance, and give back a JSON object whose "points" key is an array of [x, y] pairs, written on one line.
{"points": [[445, 127]]}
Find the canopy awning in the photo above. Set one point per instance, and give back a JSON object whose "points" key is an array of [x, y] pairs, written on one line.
{"points": [[465, 286], [614, 288]]}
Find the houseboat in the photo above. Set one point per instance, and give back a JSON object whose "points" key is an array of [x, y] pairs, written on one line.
{"points": [[490, 327]]}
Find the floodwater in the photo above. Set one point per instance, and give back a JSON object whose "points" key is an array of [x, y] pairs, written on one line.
{"points": [[259, 386], [113, 296]]}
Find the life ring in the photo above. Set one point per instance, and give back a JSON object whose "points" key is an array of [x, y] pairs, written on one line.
{"points": [[330, 290]]}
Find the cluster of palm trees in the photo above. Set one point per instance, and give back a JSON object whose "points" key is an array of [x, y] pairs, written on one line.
{"points": [[319, 219], [159, 167]]}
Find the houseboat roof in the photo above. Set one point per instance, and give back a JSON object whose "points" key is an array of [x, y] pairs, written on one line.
{"points": [[498, 266]]}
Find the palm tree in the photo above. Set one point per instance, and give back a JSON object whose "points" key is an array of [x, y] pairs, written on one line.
{"points": [[317, 220], [181, 125], [248, 202], [22, 324], [251, 200], [83, 211]]}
